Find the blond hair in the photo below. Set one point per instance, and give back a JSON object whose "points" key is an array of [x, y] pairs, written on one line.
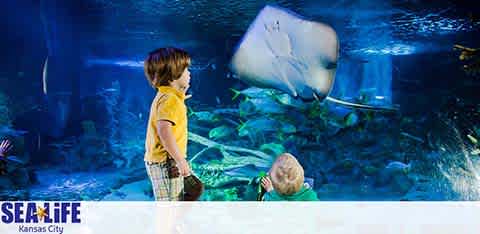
{"points": [[165, 65], [287, 174]]}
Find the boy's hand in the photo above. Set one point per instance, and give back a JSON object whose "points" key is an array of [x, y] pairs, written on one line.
{"points": [[267, 184], [184, 168], [5, 146]]}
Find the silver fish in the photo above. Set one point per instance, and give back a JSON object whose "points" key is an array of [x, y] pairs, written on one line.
{"points": [[45, 77]]}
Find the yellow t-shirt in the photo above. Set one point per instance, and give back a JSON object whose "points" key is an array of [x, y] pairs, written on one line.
{"points": [[169, 104]]}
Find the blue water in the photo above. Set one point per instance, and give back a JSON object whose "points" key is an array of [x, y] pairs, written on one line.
{"points": [[81, 130]]}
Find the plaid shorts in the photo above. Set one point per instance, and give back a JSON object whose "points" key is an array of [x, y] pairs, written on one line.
{"points": [[164, 188]]}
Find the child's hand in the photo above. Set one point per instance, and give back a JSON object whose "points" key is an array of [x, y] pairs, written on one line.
{"points": [[267, 184], [5, 146], [184, 168]]}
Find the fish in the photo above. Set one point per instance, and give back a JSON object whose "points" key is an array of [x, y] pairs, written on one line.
{"points": [[246, 108], [197, 66], [262, 106], [106, 90], [472, 139], [399, 166], [221, 132], [276, 53], [415, 138], [341, 117], [263, 125], [283, 51], [252, 92], [12, 158], [351, 119], [288, 100], [39, 141], [205, 116], [45, 77], [249, 170], [274, 148]]}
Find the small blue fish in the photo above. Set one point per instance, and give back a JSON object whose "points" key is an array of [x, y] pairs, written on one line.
{"points": [[288, 100], [205, 116], [12, 158], [252, 92], [351, 119], [220, 132], [399, 166], [265, 125], [267, 106]]}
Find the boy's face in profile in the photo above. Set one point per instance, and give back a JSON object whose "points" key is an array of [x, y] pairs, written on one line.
{"points": [[184, 81]]}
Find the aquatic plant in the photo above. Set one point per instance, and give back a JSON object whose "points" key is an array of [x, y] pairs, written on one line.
{"points": [[257, 157], [231, 194], [223, 194], [273, 148]]}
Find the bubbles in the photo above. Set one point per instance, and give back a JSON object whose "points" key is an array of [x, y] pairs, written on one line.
{"points": [[460, 169]]}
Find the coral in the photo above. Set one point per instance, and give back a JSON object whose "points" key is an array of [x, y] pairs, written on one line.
{"points": [[230, 194]]}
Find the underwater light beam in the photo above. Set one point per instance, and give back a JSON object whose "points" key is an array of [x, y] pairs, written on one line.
{"points": [[139, 64]]}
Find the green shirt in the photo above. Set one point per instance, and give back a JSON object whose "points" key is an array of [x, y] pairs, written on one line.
{"points": [[305, 194]]}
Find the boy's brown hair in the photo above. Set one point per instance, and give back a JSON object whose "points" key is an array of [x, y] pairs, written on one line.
{"points": [[164, 65], [287, 174]]}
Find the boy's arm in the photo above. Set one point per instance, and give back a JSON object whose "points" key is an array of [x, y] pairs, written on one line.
{"points": [[164, 130], [272, 196]]}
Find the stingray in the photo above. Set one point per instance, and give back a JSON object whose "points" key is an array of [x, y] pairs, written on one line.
{"points": [[283, 51]]}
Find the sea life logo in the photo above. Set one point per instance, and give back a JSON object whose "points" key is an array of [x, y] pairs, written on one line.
{"points": [[46, 217]]}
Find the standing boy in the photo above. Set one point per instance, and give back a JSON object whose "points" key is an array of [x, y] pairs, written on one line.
{"points": [[166, 70]]}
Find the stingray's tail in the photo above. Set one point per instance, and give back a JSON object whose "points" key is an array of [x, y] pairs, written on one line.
{"points": [[361, 106]]}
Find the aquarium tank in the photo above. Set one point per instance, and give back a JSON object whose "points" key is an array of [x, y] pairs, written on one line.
{"points": [[377, 100]]}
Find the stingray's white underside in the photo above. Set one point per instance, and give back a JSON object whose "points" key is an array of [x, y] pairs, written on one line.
{"points": [[283, 51]]}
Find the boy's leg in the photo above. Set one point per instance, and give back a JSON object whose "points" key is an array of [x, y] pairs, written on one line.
{"points": [[158, 175], [176, 189], [164, 188]]}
